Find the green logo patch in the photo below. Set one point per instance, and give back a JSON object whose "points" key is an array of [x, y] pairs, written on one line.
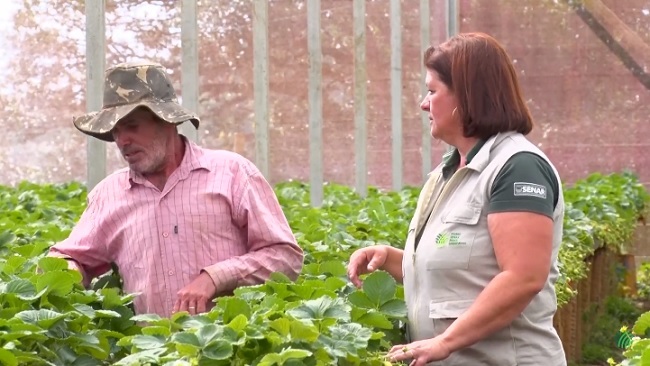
{"points": [[449, 239], [442, 239]]}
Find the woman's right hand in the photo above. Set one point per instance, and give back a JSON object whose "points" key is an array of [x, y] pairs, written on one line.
{"points": [[366, 260]]}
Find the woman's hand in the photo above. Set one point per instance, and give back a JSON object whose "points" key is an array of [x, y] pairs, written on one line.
{"points": [[420, 352], [366, 260]]}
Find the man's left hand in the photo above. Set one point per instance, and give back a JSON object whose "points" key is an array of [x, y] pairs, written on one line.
{"points": [[421, 352], [194, 298]]}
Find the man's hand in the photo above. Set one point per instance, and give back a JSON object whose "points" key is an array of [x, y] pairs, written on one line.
{"points": [[194, 298]]}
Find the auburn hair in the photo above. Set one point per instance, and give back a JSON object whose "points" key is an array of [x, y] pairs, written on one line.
{"points": [[479, 72]]}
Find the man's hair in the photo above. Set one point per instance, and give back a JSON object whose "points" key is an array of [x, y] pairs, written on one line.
{"points": [[479, 72]]}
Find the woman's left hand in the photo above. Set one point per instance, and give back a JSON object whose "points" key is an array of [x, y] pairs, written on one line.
{"points": [[420, 352]]}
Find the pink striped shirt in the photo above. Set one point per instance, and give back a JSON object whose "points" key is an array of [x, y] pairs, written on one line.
{"points": [[216, 213]]}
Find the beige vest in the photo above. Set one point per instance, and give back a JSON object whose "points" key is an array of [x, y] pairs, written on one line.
{"points": [[455, 260]]}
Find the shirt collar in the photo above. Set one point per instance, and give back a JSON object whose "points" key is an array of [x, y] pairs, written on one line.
{"points": [[192, 160], [451, 159]]}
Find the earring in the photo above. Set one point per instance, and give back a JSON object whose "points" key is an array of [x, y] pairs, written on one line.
{"points": [[453, 113]]}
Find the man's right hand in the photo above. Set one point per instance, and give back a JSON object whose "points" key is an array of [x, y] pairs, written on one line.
{"points": [[72, 265], [366, 260]]}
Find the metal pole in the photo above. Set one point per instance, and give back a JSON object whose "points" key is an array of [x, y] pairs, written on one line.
{"points": [[315, 103], [95, 67], [425, 41], [360, 98], [452, 29], [189, 65], [261, 84], [452, 17], [396, 91]]}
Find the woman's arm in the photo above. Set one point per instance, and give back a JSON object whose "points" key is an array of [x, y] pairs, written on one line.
{"points": [[523, 244]]}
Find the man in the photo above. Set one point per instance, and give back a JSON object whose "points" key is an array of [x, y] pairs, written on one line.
{"points": [[182, 223]]}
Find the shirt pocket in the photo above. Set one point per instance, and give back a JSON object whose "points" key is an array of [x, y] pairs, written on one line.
{"points": [[454, 238], [137, 251]]}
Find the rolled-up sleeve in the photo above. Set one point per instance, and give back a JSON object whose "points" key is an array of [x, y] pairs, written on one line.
{"points": [[85, 245], [271, 245]]}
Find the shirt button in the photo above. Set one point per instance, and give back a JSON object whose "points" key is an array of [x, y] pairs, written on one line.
{"points": [[165, 235], [171, 273]]}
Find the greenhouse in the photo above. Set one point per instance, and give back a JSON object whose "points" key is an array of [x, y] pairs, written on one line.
{"points": [[325, 182]]}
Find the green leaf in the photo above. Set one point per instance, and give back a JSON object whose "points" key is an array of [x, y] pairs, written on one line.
{"points": [[279, 277], [282, 357], [208, 332], [187, 338], [178, 363], [111, 298], [23, 289], [187, 350], [193, 322], [156, 330], [107, 314], [375, 320], [304, 332], [85, 360], [232, 307], [125, 341], [86, 339], [147, 318], [8, 358], [642, 324], [361, 299], [239, 323], [380, 287], [218, 350], [141, 358], [271, 359], [57, 282], [334, 283], [334, 268], [85, 310], [6, 237], [248, 295], [281, 325], [322, 308], [346, 339], [48, 264], [394, 308], [146, 342], [43, 317], [645, 357]]}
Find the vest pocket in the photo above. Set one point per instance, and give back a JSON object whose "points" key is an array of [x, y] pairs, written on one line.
{"points": [[450, 240], [468, 215]]}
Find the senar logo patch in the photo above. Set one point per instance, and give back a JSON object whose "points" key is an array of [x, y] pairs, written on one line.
{"points": [[530, 189]]}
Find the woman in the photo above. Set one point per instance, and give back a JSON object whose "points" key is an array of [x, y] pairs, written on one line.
{"points": [[480, 260]]}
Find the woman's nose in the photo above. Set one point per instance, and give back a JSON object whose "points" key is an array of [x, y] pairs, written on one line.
{"points": [[424, 105]]}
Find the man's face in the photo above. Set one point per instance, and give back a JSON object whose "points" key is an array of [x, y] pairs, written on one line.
{"points": [[142, 140]]}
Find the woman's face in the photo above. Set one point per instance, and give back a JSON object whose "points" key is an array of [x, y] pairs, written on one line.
{"points": [[440, 103]]}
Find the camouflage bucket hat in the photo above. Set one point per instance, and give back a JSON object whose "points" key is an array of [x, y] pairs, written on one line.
{"points": [[128, 86]]}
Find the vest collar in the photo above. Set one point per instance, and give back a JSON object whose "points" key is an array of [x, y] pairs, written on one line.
{"points": [[482, 157]]}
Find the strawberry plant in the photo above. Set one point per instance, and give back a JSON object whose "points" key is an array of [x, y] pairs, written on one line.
{"points": [[48, 318]]}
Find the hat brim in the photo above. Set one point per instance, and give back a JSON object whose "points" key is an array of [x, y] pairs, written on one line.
{"points": [[100, 124]]}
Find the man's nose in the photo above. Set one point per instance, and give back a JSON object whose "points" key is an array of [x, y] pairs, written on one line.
{"points": [[120, 138]]}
